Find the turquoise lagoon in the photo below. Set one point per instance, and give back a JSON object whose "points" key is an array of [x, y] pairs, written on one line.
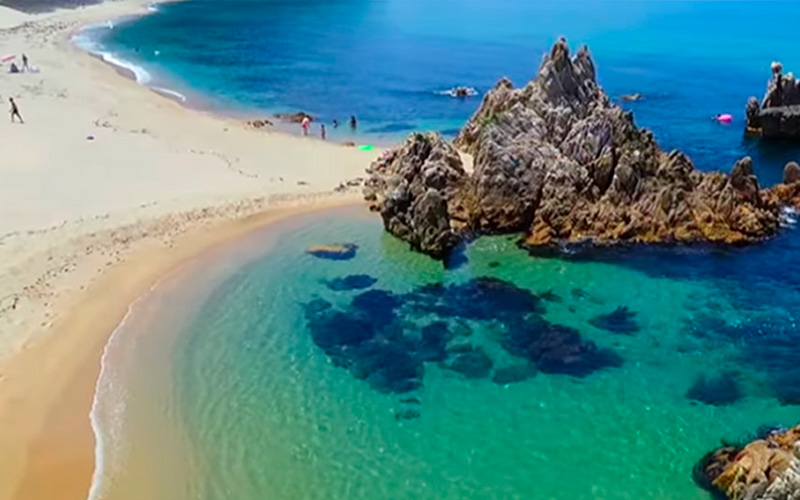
{"points": [[216, 385]]}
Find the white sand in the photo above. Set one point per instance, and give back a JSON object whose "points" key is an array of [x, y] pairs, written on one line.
{"points": [[86, 225], [150, 157]]}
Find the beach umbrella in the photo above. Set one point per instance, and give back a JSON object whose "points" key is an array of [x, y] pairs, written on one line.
{"points": [[8, 57]]}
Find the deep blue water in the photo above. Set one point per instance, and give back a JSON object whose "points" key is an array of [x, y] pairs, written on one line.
{"points": [[384, 60]]}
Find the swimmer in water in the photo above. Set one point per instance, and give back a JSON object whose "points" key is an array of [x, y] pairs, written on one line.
{"points": [[353, 122]]}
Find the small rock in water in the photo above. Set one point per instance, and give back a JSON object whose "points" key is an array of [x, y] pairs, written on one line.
{"points": [[411, 401], [407, 414], [513, 374], [550, 296], [352, 282], [494, 264], [717, 391], [620, 321], [472, 364], [579, 293], [336, 251], [631, 97]]}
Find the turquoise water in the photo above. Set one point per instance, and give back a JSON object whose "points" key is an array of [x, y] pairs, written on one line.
{"points": [[250, 375], [385, 60], [230, 393]]}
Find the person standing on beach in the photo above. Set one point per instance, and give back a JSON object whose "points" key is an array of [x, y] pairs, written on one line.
{"points": [[305, 124], [322, 132], [353, 122], [15, 111], [24, 62]]}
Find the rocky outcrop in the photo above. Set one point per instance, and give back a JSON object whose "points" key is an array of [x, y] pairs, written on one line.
{"points": [[416, 189], [558, 161], [294, 117], [767, 468], [777, 116]]}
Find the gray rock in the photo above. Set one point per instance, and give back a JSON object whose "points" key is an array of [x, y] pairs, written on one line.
{"points": [[791, 173], [778, 114], [558, 161]]}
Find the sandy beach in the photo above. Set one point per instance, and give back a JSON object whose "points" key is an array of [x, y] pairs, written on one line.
{"points": [[105, 188]]}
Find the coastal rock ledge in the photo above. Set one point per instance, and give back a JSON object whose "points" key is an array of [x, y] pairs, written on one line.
{"points": [[558, 161], [765, 469], [778, 114]]}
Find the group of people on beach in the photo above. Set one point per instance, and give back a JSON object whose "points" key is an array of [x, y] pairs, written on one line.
{"points": [[13, 108], [305, 126], [13, 68]]}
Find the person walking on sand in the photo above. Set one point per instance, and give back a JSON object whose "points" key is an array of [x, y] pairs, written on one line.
{"points": [[322, 132], [305, 124], [15, 111], [24, 63]]}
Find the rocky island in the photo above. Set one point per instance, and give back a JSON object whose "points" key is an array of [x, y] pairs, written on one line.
{"points": [[777, 116], [766, 468], [558, 161]]}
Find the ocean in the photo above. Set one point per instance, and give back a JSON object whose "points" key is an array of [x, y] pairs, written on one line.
{"points": [[387, 61], [229, 379]]}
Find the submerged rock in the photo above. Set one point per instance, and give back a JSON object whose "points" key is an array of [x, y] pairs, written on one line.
{"points": [[513, 374], [765, 469], [717, 391], [777, 116], [352, 282], [558, 349], [472, 363], [484, 298], [335, 251], [386, 338], [558, 161], [621, 320], [407, 414]]}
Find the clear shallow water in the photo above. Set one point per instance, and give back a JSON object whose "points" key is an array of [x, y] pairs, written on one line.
{"points": [[384, 60], [227, 393], [218, 386]]}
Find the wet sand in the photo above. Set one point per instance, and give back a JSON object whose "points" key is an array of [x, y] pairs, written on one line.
{"points": [[52, 430]]}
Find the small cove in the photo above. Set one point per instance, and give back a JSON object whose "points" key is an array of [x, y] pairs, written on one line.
{"points": [[262, 409]]}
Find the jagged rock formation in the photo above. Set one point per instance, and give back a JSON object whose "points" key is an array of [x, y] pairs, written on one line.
{"points": [[767, 468], [417, 184], [558, 161], [778, 114]]}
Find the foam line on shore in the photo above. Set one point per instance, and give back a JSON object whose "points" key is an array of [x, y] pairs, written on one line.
{"points": [[103, 386], [86, 39]]}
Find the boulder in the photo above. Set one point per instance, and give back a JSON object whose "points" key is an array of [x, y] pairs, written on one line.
{"points": [[294, 117], [766, 468], [791, 173], [558, 161], [414, 188]]}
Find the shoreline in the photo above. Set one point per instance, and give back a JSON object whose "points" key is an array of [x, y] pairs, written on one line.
{"points": [[63, 446], [195, 101], [114, 187]]}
